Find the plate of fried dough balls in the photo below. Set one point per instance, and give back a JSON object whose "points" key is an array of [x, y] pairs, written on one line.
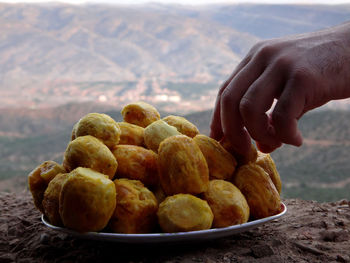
{"points": [[149, 179]]}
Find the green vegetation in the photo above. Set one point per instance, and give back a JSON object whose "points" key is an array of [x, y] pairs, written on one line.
{"points": [[317, 194]]}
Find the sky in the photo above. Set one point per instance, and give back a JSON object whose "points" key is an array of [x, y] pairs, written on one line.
{"points": [[191, 2]]}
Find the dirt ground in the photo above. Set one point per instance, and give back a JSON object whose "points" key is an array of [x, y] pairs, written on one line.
{"points": [[309, 232]]}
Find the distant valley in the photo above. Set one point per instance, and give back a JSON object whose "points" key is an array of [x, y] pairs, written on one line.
{"points": [[172, 56]]}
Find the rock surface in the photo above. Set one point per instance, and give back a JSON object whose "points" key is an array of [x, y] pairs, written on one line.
{"points": [[309, 232]]}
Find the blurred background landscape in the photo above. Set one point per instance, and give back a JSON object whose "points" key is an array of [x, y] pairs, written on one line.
{"points": [[59, 62]]}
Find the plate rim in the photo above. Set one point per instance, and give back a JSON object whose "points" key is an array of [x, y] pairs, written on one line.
{"points": [[168, 237]]}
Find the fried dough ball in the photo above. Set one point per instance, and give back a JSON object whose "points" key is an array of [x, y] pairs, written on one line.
{"points": [[182, 166], [87, 200], [140, 113], [267, 163], [228, 204], [183, 213], [136, 208], [52, 198], [261, 194], [253, 154], [131, 134], [220, 162], [138, 163], [101, 126], [182, 125], [159, 193], [157, 132], [88, 151], [72, 137], [39, 178]]}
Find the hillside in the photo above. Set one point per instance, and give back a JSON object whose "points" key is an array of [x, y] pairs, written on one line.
{"points": [[173, 56], [318, 170]]}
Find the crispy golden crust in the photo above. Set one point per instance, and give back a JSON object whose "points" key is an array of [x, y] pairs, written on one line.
{"points": [[228, 204], [135, 210], [101, 126], [52, 198], [157, 132], [159, 193], [182, 166], [87, 151], [260, 192], [72, 137], [39, 178], [138, 163], [131, 134], [253, 154], [140, 113], [266, 162], [182, 125], [183, 213], [87, 200], [220, 162]]}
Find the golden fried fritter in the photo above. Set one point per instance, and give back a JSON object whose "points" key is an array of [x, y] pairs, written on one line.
{"points": [[266, 162], [87, 200], [220, 162], [52, 198], [135, 210], [159, 193], [140, 113], [131, 134], [88, 151], [182, 125], [39, 178], [138, 163], [156, 132], [182, 166], [183, 213], [253, 154], [101, 126], [228, 204], [261, 194]]}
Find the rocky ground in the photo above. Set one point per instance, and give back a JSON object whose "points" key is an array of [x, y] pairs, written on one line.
{"points": [[309, 232]]}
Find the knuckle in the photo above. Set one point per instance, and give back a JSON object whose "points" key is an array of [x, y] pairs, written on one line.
{"points": [[284, 62], [266, 51], [300, 76], [226, 97], [246, 107]]}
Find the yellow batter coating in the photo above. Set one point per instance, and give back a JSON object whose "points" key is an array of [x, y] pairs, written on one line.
{"points": [[157, 132], [267, 163], [253, 154], [136, 208], [182, 125], [88, 151], [140, 113], [261, 194], [183, 213], [138, 163], [131, 134], [101, 126], [87, 200], [228, 204], [39, 178], [182, 166], [220, 162], [52, 198]]}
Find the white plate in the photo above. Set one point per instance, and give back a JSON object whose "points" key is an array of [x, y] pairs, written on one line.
{"points": [[201, 235]]}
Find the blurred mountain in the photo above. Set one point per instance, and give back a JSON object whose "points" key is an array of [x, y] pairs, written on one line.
{"points": [[172, 56]]}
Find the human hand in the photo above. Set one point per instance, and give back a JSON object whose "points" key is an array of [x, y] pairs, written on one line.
{"points": [[302, 72]]}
